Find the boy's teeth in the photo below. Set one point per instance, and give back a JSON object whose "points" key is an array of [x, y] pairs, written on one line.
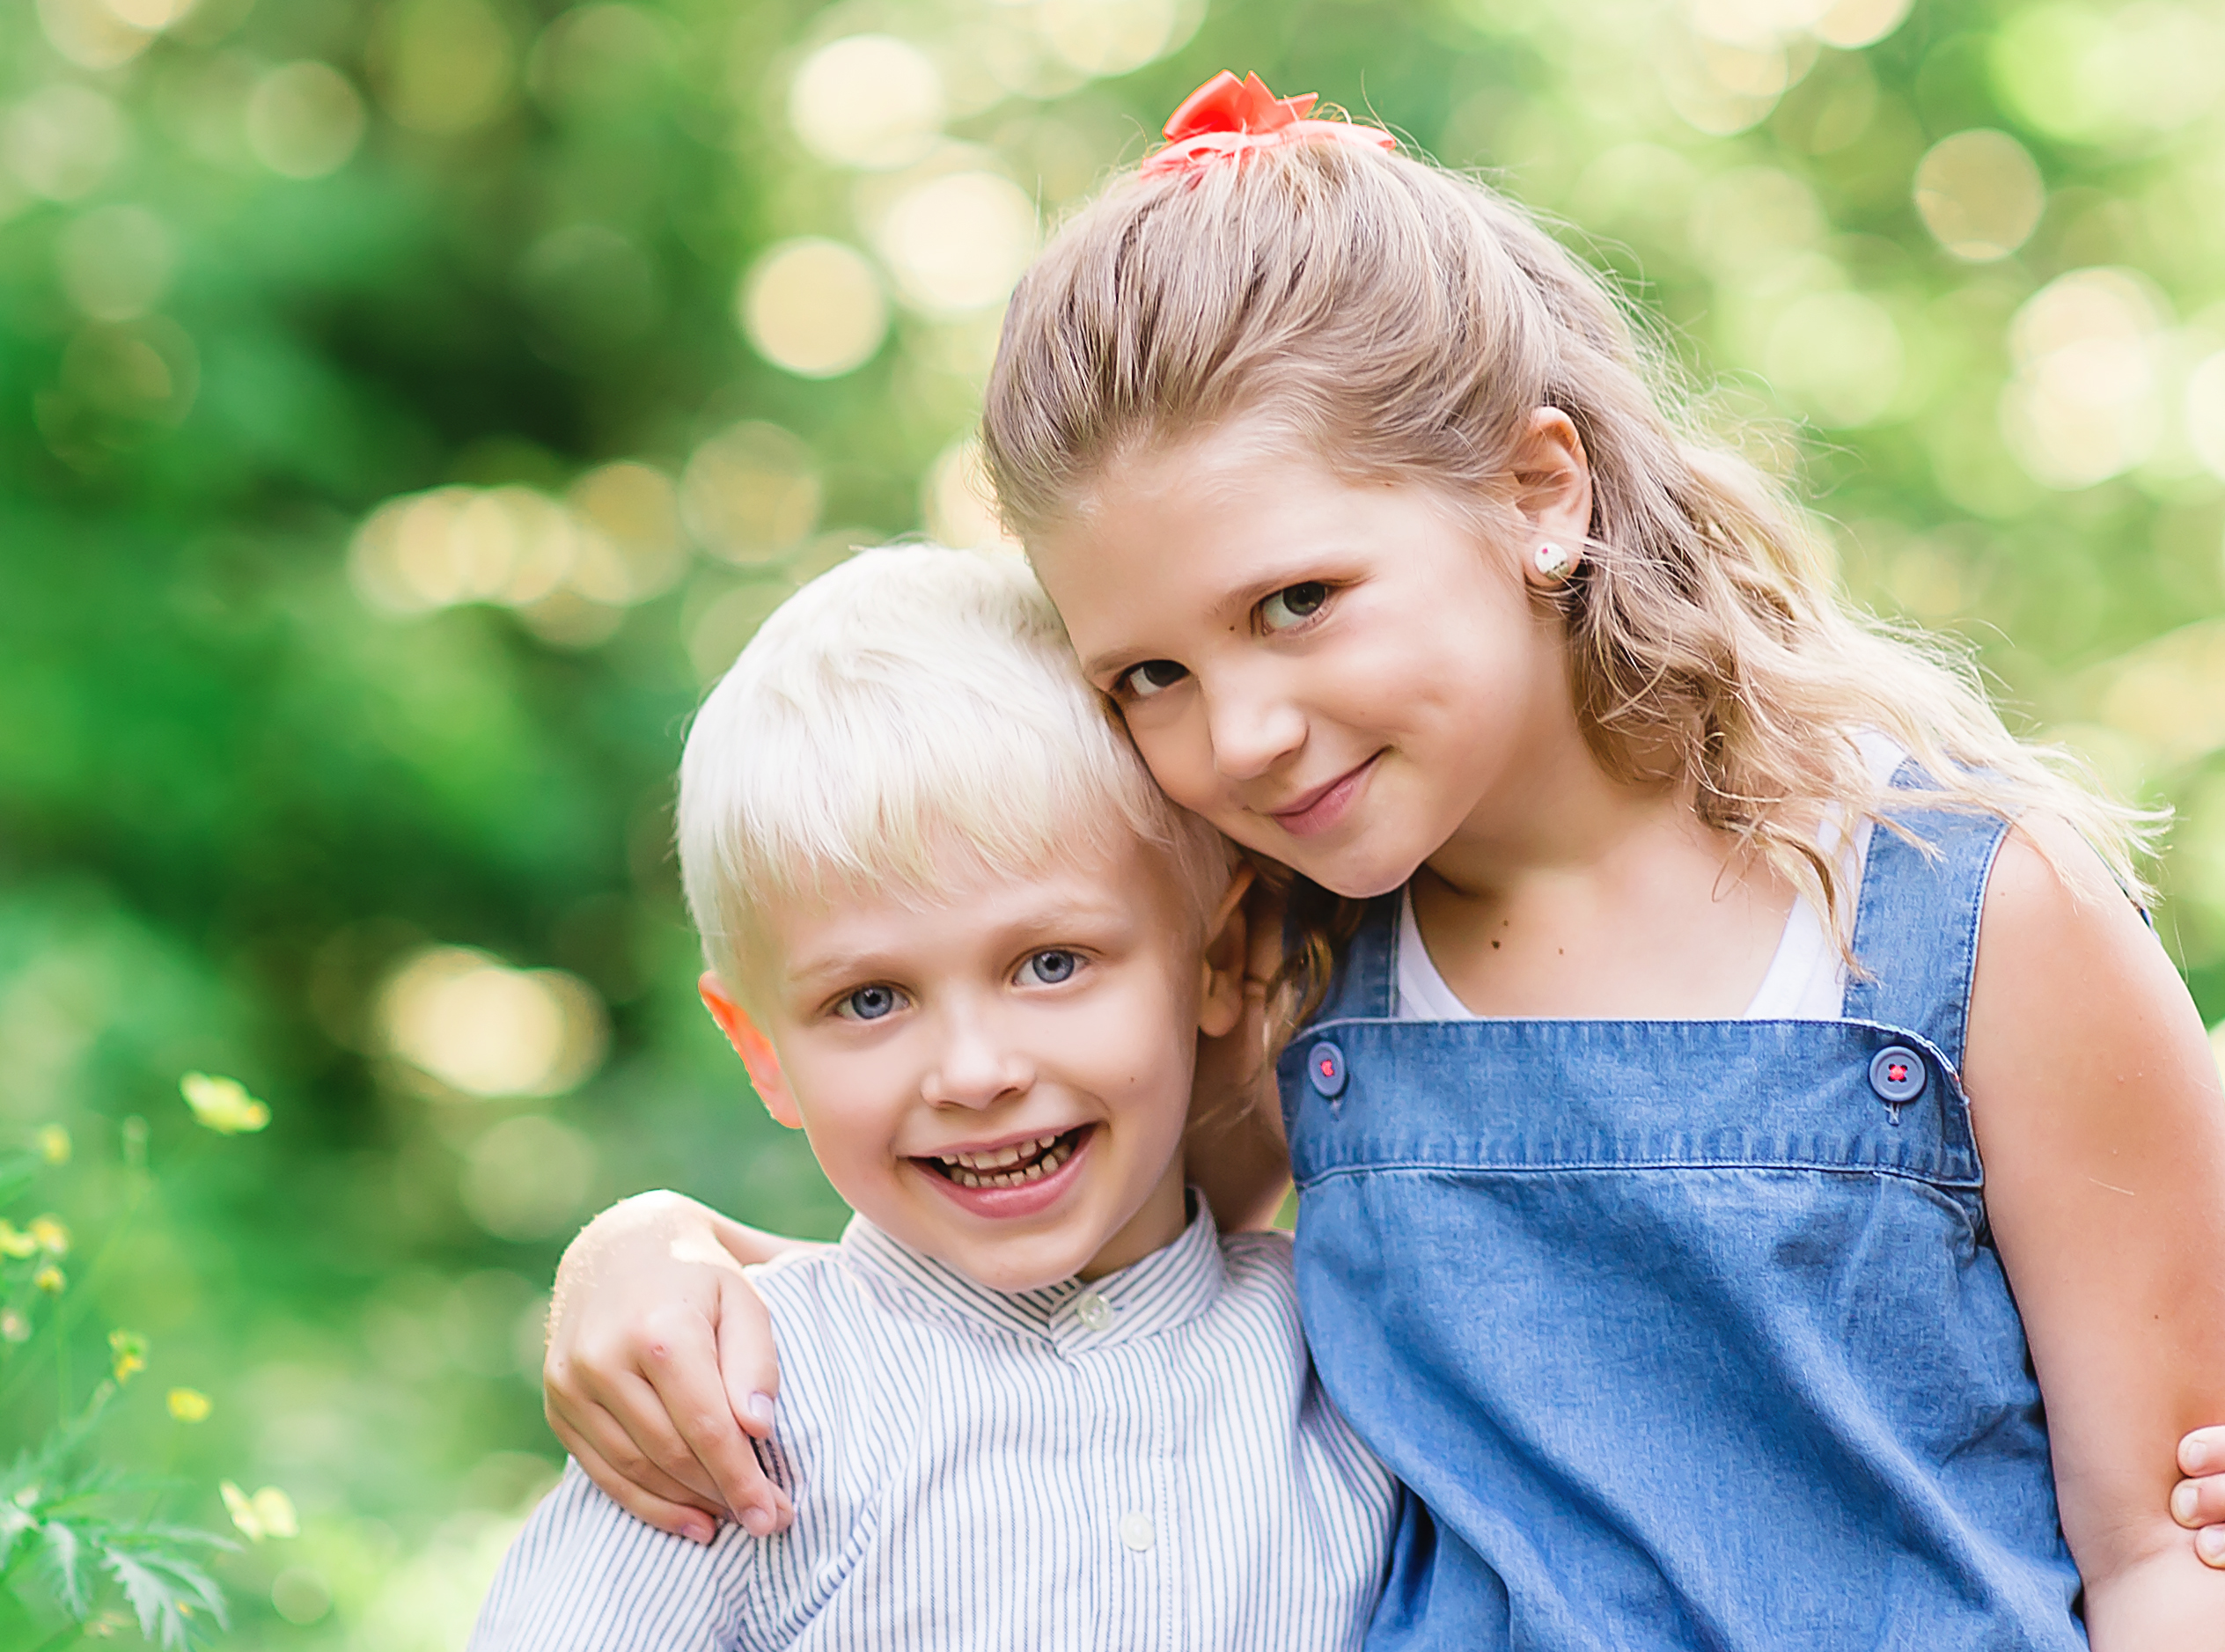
{"points": [[1008, 1166]]}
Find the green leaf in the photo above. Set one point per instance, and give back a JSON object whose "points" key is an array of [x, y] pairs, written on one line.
{"points": [[167, 1592], [65, 1564], [15, 1520]]}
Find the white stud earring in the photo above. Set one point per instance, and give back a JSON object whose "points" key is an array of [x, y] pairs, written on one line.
{"points": [[1553, 563]]}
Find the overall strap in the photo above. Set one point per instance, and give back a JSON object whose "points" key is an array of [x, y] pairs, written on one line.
{"points": [[1365, 986], [1916, 922]]}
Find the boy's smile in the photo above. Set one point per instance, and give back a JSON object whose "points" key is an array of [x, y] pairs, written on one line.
{"points": [[999, 1077]]}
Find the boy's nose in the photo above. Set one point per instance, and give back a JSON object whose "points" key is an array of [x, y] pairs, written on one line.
{"points": [[974, 1068]]}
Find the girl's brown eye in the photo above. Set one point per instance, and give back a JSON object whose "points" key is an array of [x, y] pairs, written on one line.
{"points": [[1151, 677], [1292, 604]]}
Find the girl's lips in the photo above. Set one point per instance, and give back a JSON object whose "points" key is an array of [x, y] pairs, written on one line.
{"points": [[1025, 1199], [1325, 807]]}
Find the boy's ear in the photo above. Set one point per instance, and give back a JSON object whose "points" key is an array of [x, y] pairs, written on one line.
{"points": [[755, 1049], [1220, 1001]]}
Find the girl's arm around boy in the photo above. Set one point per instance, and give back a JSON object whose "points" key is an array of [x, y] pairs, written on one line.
{"points": [[2099, 1115]]}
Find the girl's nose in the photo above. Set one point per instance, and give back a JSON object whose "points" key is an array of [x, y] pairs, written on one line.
{"points": [[1252, 727], [975, 1066]]}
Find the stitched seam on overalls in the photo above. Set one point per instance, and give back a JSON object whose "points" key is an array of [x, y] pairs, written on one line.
{"points": [[1377, 1167]]}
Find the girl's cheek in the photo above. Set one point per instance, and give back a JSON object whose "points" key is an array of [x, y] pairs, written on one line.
{"points": [[1183, 768]]}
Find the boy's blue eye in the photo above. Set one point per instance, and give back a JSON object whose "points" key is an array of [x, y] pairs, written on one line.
{"points": [[1293, 602], [870, 1004], [1151, 677], [1051, 966]]}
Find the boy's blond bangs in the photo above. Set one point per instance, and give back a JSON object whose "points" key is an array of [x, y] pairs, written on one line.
{"points": [[910, 721], [1402, 321]]}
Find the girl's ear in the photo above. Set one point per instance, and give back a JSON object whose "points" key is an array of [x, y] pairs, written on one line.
{"points": [[755, 1049], [1221, 1001], [1552, 478]]}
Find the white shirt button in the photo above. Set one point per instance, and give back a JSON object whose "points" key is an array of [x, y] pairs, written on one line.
{"points": [[1096, 1313], [1135, 1532]]}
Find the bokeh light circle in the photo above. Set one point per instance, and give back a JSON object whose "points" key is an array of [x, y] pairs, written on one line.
{"points": [[101, 34], [867, 100], [2206, 413], [480, 1027], [957, 243], [1112, 37], [1981, 195], [115, 262], [958, 503], [750, 494], [569, 575], [1754, 23], [1851, 25], [62, 141], [443, 66], [813, 307], [305, 119], [2082, 406]]}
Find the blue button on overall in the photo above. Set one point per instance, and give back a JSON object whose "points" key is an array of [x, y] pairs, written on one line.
{"points": [[1896, 1073], [1324, 1066]]}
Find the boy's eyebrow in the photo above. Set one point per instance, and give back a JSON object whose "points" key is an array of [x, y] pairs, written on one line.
{"points": [[850, 962], [816, 971]]}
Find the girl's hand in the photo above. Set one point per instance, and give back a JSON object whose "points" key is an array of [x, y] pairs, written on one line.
{"points": [[2198, 1501], [1234, 1149], [661, 1367]]}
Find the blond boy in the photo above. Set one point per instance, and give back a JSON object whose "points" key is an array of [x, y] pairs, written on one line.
{"points": [[1031, 1399]]}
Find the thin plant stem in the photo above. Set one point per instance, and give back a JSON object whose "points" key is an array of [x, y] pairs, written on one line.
{"points": [[70, 1312]]}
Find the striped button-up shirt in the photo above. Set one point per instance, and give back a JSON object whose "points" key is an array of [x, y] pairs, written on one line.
{"points": [[1145, 1461]]}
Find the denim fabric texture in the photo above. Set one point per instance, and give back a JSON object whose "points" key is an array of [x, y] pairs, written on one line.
{"points": [[1685, 1336]]}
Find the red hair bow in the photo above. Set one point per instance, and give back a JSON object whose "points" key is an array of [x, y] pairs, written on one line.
{"points": [[1225, 117]]}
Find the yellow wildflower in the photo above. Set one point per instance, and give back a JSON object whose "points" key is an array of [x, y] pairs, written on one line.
{"points": [[14, 1327], [223, 1104], [50, 1278], [129, 1350], [54, 1144], [189, 1404], [15, 1243], [270, 1513], [48, 1234]]}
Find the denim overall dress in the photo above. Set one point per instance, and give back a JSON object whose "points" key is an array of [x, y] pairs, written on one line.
{"points": [[1687, 1333]]}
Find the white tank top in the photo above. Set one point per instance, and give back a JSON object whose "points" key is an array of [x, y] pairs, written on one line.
{"points": [[1807, 978]]}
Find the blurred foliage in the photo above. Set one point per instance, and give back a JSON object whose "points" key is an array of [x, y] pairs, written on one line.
{"points": [[406, 407], [83, 1548]]}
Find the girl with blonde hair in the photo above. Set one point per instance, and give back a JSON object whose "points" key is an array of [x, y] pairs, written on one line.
{"points": [[1729, 1082]]}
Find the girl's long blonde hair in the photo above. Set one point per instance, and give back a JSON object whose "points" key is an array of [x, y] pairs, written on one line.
{"points": [[1404, 321]]}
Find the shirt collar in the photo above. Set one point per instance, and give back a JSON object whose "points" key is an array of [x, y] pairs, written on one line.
{"points": [[1168, 1288]]}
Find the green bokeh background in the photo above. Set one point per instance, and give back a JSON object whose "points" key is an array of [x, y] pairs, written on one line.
{"points": [[246, 778]]}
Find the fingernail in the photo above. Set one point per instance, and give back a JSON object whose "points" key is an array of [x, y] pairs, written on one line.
{"points": [[2195, 1458], [756, 1522], [697, 1532], [2209, 1543], [761, 1410], [2184, 1496]]}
